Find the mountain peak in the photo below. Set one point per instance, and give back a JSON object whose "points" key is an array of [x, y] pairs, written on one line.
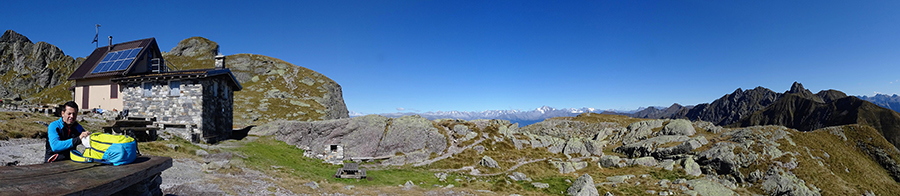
{"points": [[11, 36], [796, 88]]}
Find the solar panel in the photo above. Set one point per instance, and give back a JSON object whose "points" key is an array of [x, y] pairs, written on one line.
{"points": [[116, 61]]}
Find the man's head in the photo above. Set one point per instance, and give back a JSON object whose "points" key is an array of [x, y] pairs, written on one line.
{"points": [[70, 112]]}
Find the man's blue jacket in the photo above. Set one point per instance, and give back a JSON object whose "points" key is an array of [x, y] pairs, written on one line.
{"points": [[61, 138]]}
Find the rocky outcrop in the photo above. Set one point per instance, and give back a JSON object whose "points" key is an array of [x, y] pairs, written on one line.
{"points": [[583, 186], [678, 127], [37, 72], [414, 137], [273, 89]]}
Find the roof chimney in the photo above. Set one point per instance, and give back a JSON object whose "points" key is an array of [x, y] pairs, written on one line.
{"points": [[220, 61], [109, 47]]}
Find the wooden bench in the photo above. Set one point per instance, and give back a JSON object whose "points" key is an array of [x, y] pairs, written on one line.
{"points": [[71, 178]]}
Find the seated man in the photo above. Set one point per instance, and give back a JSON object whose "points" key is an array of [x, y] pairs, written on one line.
{"points": [[62, 133]]}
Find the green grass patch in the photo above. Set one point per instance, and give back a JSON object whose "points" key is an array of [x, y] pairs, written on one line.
{"points": [[24, 125]]}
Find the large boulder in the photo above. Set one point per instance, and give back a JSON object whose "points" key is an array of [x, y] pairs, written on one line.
{"points": [[411, 133], [583, 186], [691, 167], [678, 127]]}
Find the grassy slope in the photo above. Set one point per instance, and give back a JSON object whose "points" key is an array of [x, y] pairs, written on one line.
{"points": [[833, 176]]}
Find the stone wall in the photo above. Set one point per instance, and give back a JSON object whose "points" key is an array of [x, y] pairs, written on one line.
{"points": [[205, 105]]}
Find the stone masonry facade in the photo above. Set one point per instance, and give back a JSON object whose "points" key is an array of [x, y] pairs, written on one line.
{"points": [[204, 106]]}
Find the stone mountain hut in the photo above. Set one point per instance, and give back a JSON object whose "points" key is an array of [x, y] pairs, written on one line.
{"points": [[133, 77]]}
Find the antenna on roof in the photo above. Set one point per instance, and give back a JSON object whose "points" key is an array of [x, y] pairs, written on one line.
{"points": [[97, 36]]}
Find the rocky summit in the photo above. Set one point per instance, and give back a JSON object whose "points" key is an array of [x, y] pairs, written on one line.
{"points": [[273, 89]]}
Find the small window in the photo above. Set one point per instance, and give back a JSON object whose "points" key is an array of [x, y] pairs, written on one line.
{"points": [[215, 88], [113, 91], [174, 88], [148, 87]]}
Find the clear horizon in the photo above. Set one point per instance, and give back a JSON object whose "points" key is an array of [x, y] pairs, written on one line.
{"points": [[399, 56]]}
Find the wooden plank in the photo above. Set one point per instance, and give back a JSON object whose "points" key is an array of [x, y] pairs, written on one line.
{"points": [[94, 179]]}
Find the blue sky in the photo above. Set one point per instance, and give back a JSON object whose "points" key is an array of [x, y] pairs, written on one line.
{"points": [[485, 55]]}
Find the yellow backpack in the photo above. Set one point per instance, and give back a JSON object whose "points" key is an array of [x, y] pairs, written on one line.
{"points": [[107, 149]]}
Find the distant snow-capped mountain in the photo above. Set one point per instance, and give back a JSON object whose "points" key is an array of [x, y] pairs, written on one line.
{"points": [[522, 117]]}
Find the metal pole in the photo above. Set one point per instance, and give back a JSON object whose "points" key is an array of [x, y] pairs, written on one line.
{"points": [[97, 28]]}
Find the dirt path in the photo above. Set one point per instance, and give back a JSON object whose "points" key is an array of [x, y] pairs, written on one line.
{"points": [[450, 152], [475, 172]]}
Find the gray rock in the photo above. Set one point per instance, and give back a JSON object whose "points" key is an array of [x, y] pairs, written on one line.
{"points": [[583, 186], [576, 146], [479, 149], [640, 130], [648, 146], [540, 185], [779, 182], [360, 130], [610, 161], [409, 185], [645, 161], [176, 147], [312, 185], [488, 162], [619, 179], [706, 187], [608, 194], [594, 147], [667, 164], [518, 176], [460, 129], [691, 167], [200, 152], [678, 127]]}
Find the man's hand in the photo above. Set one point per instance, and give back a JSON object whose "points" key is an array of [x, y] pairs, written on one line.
{"points": [[84, 134]]}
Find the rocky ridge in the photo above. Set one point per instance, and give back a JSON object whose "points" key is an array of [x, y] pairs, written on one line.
{"points": [[35, 72]]}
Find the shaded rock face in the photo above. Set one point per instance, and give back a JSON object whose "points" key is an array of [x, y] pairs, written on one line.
{"points": [[27, 69], [363, 136], [583, 186], [273, 89], [732, 107]]}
